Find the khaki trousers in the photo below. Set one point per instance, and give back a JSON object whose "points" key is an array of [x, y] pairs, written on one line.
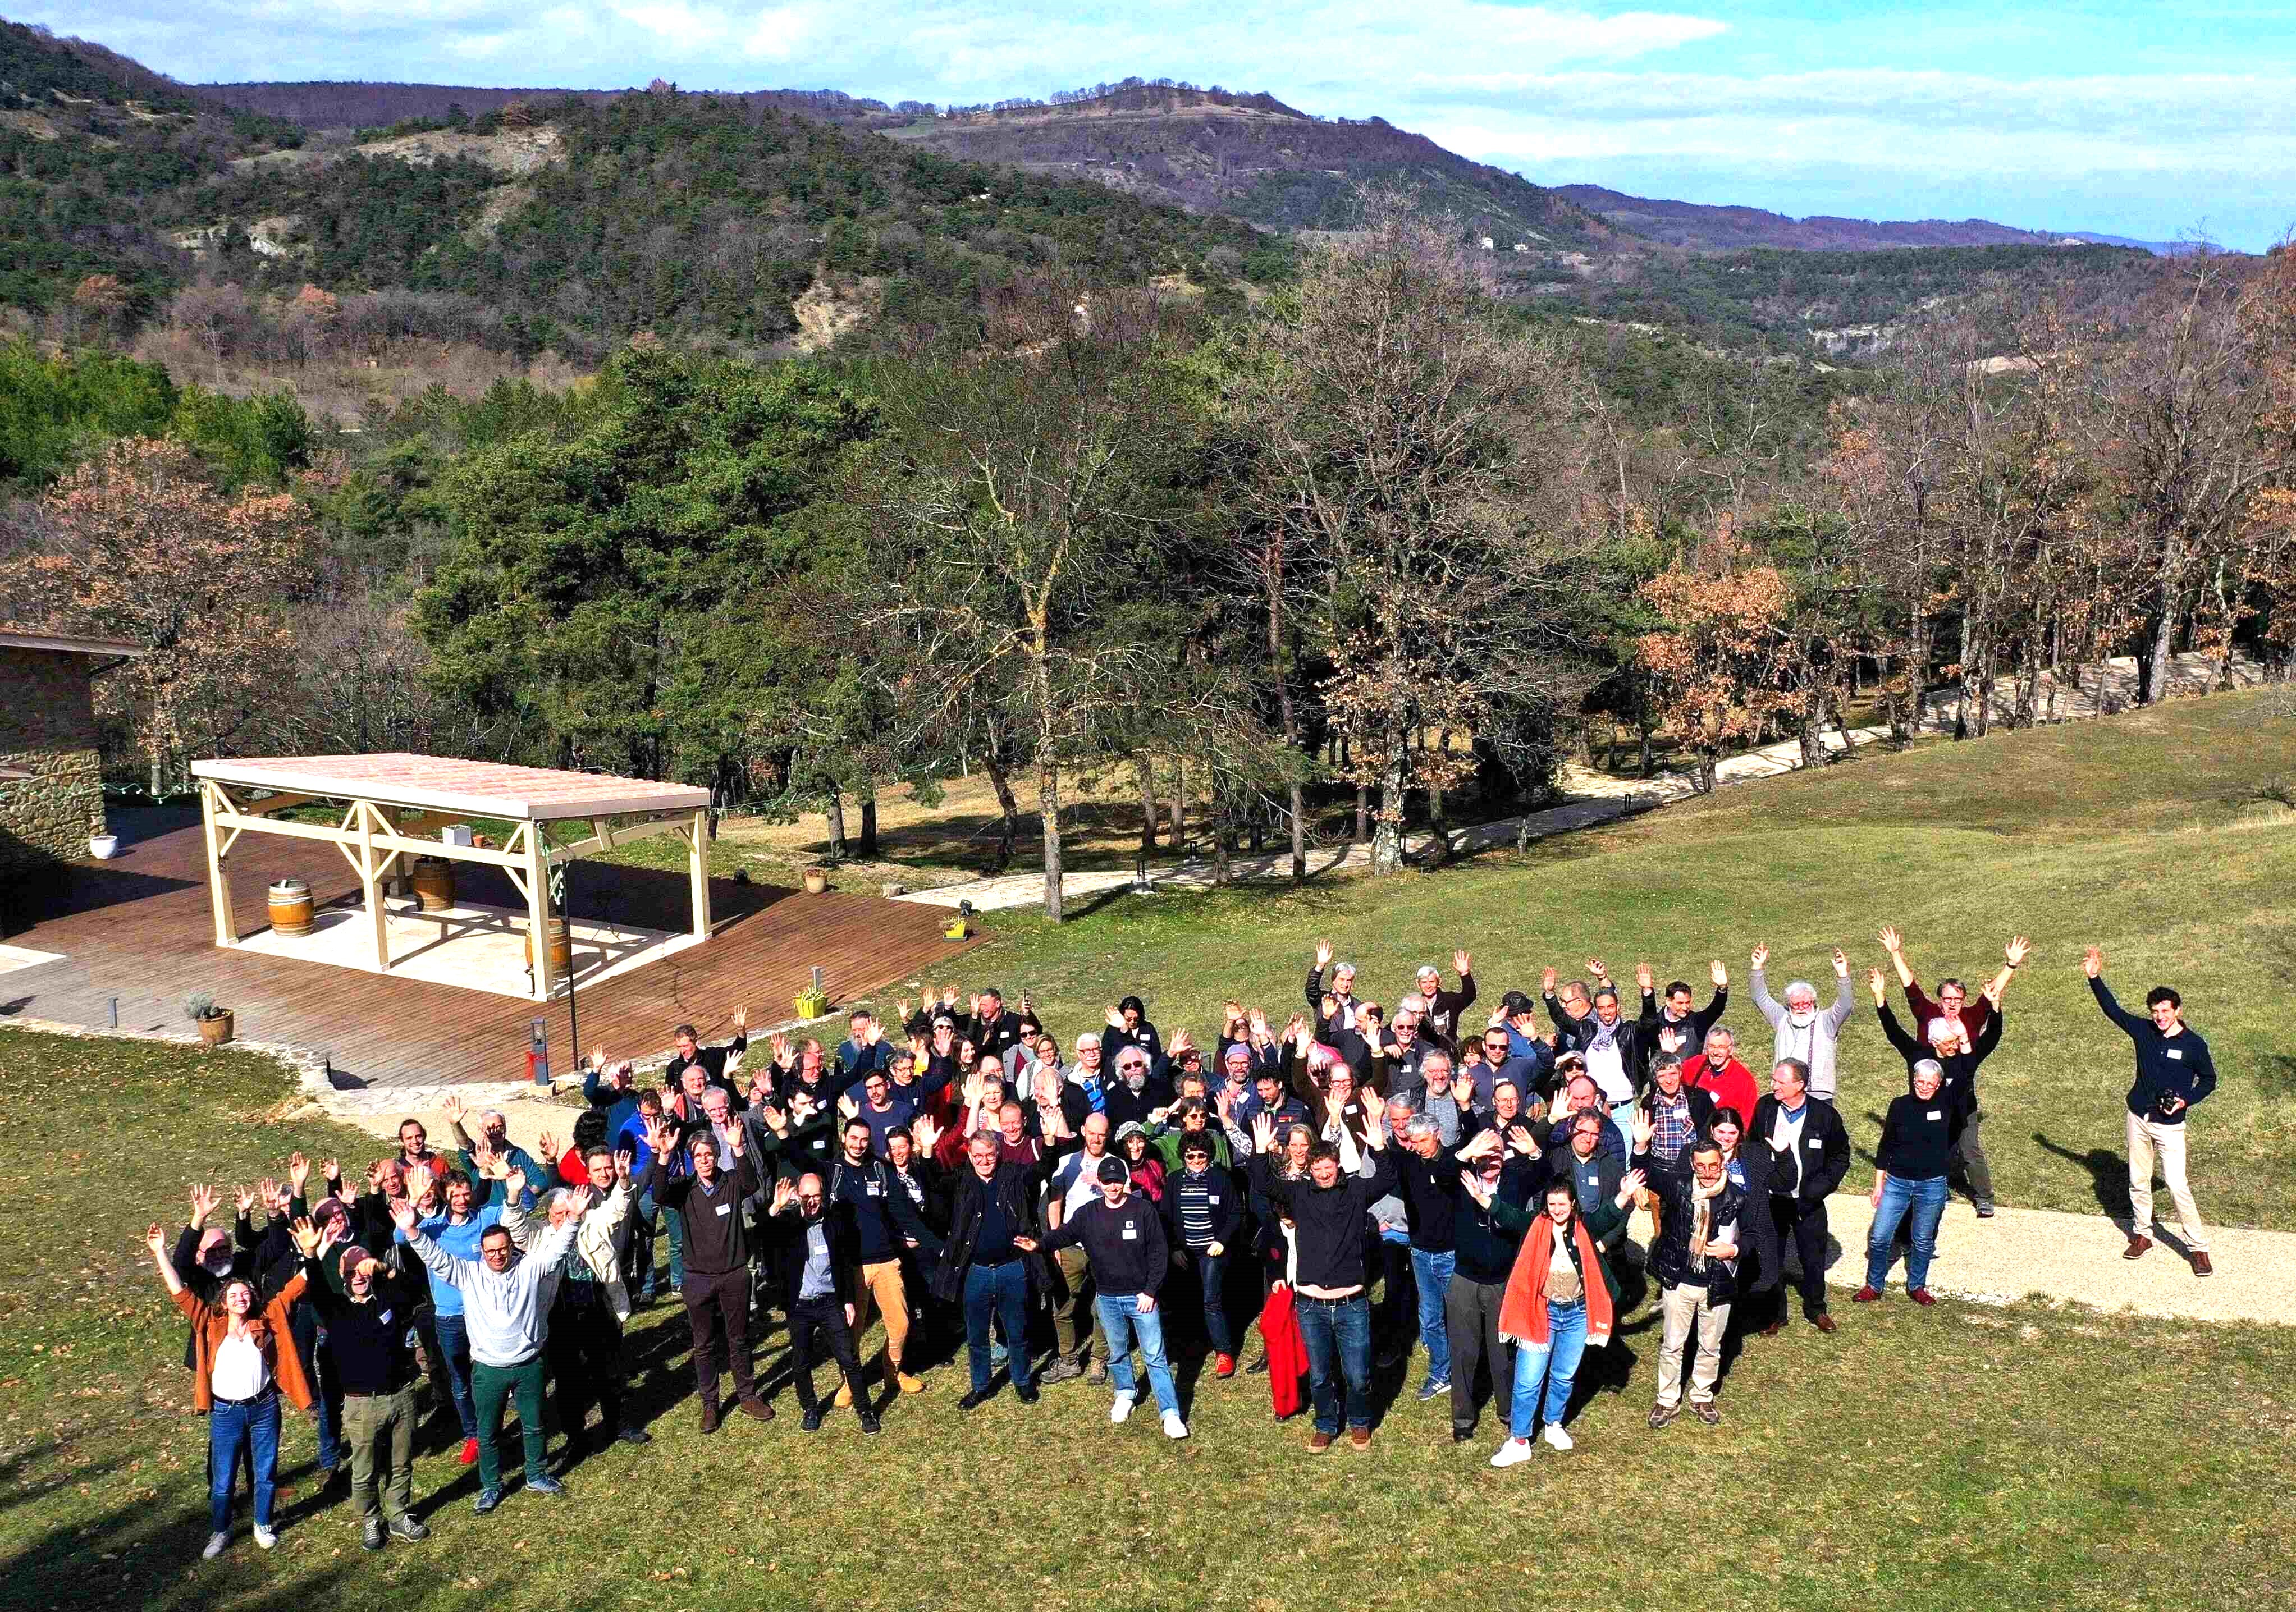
{"points": [[2149, 1139], [381, 1425], [881, 1284], [1682, 1307]]}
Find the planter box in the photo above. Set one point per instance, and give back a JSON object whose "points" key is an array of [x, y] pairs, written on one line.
{"points": [[215, 1031]]}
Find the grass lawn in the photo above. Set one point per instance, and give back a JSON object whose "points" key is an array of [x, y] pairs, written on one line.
{"points": [[1948, 1459], [2143, 834]]}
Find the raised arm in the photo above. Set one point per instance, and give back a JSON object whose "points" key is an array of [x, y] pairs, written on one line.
{"points": [[1766, 1006], [2092, 965]]}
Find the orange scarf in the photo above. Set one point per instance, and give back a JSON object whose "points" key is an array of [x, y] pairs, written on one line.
{"points": [[1522, 1313]]}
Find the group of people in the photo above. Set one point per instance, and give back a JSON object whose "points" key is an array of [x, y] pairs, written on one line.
{"points": [[1054, 1208]]}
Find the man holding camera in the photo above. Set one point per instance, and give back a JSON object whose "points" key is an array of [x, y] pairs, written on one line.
{"points": [[2174, 1071]]}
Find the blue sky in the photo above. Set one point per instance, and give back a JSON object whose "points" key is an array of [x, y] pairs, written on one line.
{"points": [[2150, 120]]}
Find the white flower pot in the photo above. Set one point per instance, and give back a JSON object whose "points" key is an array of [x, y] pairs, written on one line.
{"points": [[104, 847]]}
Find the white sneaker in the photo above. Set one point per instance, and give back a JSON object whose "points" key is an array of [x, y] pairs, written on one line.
{"points": [[1121, 1407], [265, 1538], [1174, 1428], [217, 1544], [1513, 1454], [1556, 1436]]}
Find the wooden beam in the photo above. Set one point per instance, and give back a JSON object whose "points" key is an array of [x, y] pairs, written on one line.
{"points": [[388, 841], [698, 869], [607, 838], [370, 865], [227, 930]]}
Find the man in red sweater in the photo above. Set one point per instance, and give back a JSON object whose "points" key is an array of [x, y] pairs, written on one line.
{"points": [[1721, 1077], [1953, 1000]]}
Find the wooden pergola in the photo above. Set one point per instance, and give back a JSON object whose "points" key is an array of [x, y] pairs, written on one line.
{"points": [[389, 800]]}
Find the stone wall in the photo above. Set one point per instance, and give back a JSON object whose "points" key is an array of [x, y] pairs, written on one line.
{"points": [[47, 728]]}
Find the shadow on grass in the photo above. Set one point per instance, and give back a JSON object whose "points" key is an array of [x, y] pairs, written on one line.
{"points": [[2108, 1173]]}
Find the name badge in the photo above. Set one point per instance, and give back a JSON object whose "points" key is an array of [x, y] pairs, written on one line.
{"points": [[1936, 1113], [1131, 1233], [725, 1208], [1817, 1141], [2177, 1053], [875, 1190], [1211, 1198], [386, 1318]]}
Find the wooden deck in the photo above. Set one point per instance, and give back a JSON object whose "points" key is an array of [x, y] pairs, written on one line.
{"points": [[137, 929]]}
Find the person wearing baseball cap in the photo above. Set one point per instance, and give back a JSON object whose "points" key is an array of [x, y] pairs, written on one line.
{"points": [[368, 1312], [1123, 1235]]}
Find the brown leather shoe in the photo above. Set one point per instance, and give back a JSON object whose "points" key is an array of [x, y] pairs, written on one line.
{"points": [[2200, 1265], [1319, 1442], [758, 1408], [1360, 1438], [710, 1415], [1824, 1323], [1774, 1328], [2138, 1244]]}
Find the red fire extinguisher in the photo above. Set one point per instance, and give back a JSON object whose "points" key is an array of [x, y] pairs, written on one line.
{"points": [[538, 1056]]}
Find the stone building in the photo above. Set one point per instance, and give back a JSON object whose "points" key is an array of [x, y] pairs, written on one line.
{"points": [[50, 785]]}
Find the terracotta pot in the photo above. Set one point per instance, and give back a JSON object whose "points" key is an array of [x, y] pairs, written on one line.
{"points": [[215, 1031], [817, 880]]}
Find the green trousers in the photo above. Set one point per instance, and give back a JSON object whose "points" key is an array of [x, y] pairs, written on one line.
{"points": [[490, 1386], [380, 1429]]}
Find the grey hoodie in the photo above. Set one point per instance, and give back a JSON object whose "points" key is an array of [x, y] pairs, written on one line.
{"points": [[507, 1311]]}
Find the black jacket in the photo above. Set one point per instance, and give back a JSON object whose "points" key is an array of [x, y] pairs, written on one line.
{"points": [[1016, 1186], [999, 1035], [1576, 1035], [1700, 1021], [1226, 1207], [1824, 1148], [884, 1216], [1960, 1085], [1669, 1257], [1124, 1106], [717, 1236], [1440, 1022], [712, 1060], [1126, 1245], [1607, 1170], [788, 1231]]}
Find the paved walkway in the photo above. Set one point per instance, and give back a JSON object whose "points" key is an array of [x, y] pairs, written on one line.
{"points": [[1598, 797]]}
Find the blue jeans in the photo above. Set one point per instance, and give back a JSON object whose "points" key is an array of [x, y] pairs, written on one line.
{"points": [[1925, 1200], [326, 1388], [1431, 1273], [1211, 1273], [1120, 1320], [674, 1224], [637, 1266], [454, 1349], [255, 1425], [998, 1290], [1555, 1362], [1336, 1333]]}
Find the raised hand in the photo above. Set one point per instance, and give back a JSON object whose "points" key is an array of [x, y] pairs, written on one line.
{"points": [[847, 1108], [735, 1142], [1880, 991], [972, 1007], [491, 1164], [1472, 1182], [781, 1051], [925, 1132], [1762, 956], [741, 1020], [156, 1239], [598, 1059], [1484, 1144], [1331, 1005], [2018, 949], [1115, 1019], [1644, 978], [1263, 1132], [403, 1216], [1629, 1184], [1464, 962], [374, 1176], [299, 1171], [1600, 969], [948, 996], [1181, 1043], [306, 1236], [1521, 1141], [1546, 978], [1719, 975], [1323, 955], [418, 1182], [1258, 1025], [2092, 961], [1841, 963], [549, 1146], [455, 1110], [246, 1197], [624, 1161], [785, 1195], [1892, 942], [204, 1199], [901, 1009], [1645, 1129]]}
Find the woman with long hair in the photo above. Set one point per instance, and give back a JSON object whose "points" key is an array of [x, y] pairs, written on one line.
{"points": [[1561, 1301]]}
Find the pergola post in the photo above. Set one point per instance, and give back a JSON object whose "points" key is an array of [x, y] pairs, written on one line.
{"points": [[226, 928], [372, 888], [538, 909], [697, 862]]}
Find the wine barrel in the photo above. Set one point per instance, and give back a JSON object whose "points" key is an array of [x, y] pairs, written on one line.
{"points": [[291, 907], [562, 950], [434, 883]]}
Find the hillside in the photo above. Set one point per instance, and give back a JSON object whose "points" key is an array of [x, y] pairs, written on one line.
{"points": [[337, 104], [1256, 157], [1735, 228]]}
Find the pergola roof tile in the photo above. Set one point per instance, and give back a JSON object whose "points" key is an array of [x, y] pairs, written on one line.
{"points": [[485, 788]]}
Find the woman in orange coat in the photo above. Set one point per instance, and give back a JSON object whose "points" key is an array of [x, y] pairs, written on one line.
{"points": [[243, 1360], [1560, 1301]]}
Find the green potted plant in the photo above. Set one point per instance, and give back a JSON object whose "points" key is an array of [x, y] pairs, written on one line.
{"points": [[812, 1002], [214, 1022]]}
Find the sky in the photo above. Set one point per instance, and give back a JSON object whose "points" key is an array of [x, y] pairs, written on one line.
{"points": [[2160, 122]]}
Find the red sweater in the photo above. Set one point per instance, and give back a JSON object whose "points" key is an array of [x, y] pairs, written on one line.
{"points": [[1974, 1011], [1733, 1088]]}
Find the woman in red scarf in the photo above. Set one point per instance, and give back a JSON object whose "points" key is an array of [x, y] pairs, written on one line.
{"points": [[1560, 1300]]}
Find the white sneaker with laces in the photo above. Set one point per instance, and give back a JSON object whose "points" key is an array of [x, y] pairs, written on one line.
{"points": [[1121, 1407], [265, 1538], [217, 1544], [1556, 1436], [1174, 1428], [1513, 1454]]}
